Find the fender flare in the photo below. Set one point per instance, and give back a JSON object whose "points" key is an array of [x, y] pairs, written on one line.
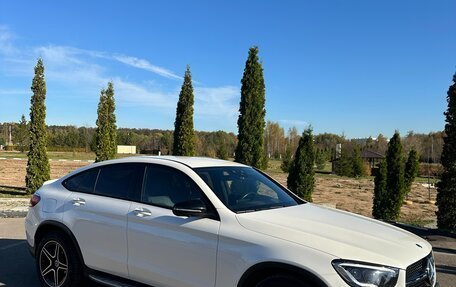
{"points": [[52, 225]]}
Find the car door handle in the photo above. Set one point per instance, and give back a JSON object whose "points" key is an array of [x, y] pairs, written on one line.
{"points": [[142, 212], [78, 201]]}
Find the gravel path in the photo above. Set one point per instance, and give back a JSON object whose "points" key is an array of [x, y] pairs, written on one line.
{"points": [[13, 207]]}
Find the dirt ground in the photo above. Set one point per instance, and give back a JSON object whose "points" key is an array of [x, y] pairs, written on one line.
{"points": [[354, 195], [12, 172]]}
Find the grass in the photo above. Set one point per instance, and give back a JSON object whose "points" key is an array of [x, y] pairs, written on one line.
{"points": [[12, 193], [425, 180], [418, 222], [274, 166]]}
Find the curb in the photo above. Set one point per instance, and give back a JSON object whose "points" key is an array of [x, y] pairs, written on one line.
{"points": [[423, 231], [13, 214]]}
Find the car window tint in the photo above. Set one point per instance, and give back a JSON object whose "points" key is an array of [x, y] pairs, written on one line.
{"points": [[165, 186], [117, 180], [82, 182]]}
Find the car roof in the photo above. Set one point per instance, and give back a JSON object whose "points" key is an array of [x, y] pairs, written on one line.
{"points": [[192, 162]]}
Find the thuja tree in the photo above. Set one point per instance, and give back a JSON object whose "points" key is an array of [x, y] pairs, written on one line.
{"points": [[251, 123], [301, 177], [184, 135], [106, 132], [411, 170], [446, 195], [22, 134], [357, 163], [287, 160], [38, 170], [394, 179], [344, 164], [380, 194]]}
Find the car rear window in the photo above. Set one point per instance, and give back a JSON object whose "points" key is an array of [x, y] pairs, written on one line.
{"points": [[117, 180], [82, 182]]}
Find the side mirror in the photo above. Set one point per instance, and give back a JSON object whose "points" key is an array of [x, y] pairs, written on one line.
{"points": [[191, 208]]}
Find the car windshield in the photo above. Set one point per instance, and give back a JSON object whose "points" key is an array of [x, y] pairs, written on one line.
{"points": [[244, 189]]}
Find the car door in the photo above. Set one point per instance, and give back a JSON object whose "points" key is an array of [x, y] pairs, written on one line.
{"points": [[165, 249], [96, 213]]}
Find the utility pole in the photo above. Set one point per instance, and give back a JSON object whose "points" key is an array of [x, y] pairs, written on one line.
{"points": [[10, 137], [430, 154]]}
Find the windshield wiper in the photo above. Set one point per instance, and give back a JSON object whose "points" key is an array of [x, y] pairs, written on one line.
{"points": [[261, 208]]}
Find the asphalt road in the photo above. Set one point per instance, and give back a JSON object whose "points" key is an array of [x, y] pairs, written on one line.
{"points": [[17, 268]]}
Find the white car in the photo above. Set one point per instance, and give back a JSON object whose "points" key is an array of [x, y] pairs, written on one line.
{"points": [[199, 222]]}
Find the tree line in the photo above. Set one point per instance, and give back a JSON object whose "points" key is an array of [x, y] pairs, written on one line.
{"points": [[277, 142], [218, 144]]}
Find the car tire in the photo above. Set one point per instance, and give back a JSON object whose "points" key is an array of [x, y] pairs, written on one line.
{"points": [[282, 280], [57, 261]]}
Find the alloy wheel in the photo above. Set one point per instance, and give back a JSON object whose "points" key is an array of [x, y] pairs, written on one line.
{"points": [[53, 264]]}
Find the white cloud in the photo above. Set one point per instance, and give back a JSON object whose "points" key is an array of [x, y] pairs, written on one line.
{"points": [[217, 101], [6, 40], [80, 73], [145, 65], [11, 92], [133, 94], [297, 123]]}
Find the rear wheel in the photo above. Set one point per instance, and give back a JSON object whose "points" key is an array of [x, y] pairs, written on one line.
{"points": [[282, 280], [57, 263]]}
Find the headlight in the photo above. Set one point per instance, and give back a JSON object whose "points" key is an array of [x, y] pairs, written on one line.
{"points": [[358, 274]]}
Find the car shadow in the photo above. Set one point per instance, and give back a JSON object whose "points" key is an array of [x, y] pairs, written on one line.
{"points": [[17, 266]]}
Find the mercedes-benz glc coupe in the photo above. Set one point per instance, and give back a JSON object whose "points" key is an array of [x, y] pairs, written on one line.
{"points": [[199, 222]]}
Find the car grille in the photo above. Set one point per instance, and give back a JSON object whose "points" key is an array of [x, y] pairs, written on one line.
{"points": [[416, 275]]}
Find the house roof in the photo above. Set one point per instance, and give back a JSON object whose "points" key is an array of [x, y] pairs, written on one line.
{"points": [[371, 154]]}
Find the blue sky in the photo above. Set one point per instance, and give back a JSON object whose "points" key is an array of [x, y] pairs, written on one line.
{"points": [[355, 67]]}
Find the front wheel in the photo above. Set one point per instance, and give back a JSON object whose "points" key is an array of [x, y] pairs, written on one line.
{"points": [[57, 263], [282, 280]]}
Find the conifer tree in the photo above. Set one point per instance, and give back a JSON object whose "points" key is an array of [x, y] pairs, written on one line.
{"points": [[287, 160], [411, 170], [101, 138], [357, 163], [251, 123], [320, 160], [22, 134], [222, 152], [301, 177], [38, 169], [184, 135], [380, 192], [395, 178], [111, 121], [344, 164], [446, 195], [106, 132]]}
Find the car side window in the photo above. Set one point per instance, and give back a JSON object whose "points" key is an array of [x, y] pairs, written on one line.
{"points": [[118, 180], [165, 186], [83, 181]]}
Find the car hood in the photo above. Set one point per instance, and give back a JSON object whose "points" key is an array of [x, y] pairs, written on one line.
{"points": [[339, 233]]}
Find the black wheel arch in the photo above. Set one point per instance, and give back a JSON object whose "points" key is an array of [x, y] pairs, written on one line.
{"points": [[258, 271], [54, 226]]}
